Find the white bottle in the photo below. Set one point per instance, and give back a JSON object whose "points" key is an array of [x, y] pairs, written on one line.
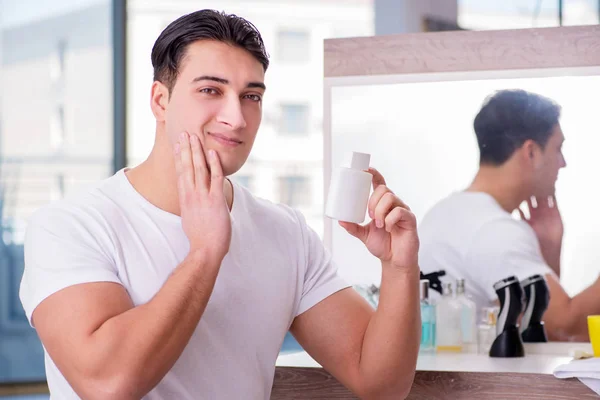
{"points": [[448, 335], [468, 318], [349, 190]]}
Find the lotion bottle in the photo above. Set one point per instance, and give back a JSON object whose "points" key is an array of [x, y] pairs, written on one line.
{"points": [[349, 190]]}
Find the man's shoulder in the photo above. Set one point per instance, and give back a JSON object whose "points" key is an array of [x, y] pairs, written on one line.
{"points": [[77, 208], [468, 208]]}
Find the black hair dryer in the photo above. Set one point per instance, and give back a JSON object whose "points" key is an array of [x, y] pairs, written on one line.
{"points": [[537, 298], [508, 341]]}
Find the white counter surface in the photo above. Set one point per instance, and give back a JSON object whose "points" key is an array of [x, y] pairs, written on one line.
{"points": [[539, 359]]}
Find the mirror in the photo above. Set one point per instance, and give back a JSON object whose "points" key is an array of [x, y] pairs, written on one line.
{"points": [[420, 136], [410, 101]]}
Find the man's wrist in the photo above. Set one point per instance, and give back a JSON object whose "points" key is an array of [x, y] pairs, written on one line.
{"points": [[392, 272], [200, 258]]}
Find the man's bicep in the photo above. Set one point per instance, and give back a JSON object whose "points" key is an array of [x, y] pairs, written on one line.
{"points": [[332, 332], [66, 320]]}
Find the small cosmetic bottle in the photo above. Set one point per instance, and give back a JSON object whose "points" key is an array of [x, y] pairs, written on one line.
{"points": [[448, 334], [468, 317], [427, 320], [349, 190]]}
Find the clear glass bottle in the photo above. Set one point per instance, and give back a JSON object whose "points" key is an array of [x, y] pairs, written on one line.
{"points": [[468, 317], [486, 330], [448, 321], [427, 319]]}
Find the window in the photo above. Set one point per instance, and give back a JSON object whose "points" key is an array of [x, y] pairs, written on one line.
{"points": [[37, 46], [293, 46], [57, 128], [517, 14], [294, 191], [294, 119], [58, 189], [57, 63]]}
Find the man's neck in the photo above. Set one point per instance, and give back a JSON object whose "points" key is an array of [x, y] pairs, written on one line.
{"points": [[502, 184], [156, 180]]}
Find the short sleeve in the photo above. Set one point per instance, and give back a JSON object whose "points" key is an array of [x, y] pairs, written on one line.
{"points": [[62, 248], [502, 248], [321, 278]]}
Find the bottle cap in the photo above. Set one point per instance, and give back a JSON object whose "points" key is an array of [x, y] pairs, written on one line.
{"points": [[460, 285], [446, 288], [424, 290], [360, 161], [490, 316]]}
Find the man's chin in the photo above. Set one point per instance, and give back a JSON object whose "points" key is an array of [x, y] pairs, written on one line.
{"points": [[230, 168]]}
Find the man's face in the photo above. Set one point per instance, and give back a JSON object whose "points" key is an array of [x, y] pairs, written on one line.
{"points": [[218, 97], [551, 161]]}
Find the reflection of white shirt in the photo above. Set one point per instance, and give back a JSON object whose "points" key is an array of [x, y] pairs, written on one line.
{"points": [[276, 269], [470, 236]]}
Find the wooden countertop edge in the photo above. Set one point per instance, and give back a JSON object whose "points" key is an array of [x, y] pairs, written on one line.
{"points": [[316, 383]]}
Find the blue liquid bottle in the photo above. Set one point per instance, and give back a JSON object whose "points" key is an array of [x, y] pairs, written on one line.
{"points": [[427, 319]]}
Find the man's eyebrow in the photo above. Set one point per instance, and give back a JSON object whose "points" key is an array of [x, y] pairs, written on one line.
{"points": [[259, 85], [224, 81], [210, 78]]}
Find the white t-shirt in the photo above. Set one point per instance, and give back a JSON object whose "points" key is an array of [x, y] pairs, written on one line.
{"points": [[470, 236], [276, 269]]}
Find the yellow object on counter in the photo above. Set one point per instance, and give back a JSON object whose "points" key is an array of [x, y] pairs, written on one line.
{"points": [[450, 349], [594, 330]]}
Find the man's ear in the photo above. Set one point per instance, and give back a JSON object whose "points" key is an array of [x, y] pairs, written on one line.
{"points": [[159, 99], [532, 152]]}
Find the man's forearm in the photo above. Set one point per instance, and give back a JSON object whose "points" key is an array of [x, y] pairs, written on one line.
{"points": [[566, 318], [391, 343], [583, 304], [142, 344], [551, 255]]}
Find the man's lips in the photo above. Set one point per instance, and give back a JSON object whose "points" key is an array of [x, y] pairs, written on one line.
{"points": [[225, 140]]}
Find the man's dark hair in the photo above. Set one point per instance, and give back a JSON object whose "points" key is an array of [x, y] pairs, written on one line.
{"points": [[510, 117], [170, 47]]}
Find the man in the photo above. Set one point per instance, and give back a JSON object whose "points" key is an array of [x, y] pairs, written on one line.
{"points": [[472, 234], [167, 281]]}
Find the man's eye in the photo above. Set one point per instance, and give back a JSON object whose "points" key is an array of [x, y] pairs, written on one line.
{"points": [[208, 91], [253, 97]]}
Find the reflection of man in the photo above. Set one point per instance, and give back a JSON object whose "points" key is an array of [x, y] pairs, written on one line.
{"points": [[472, 234], [169, 281]]}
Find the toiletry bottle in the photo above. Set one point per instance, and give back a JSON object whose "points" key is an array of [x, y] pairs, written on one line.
{"points": [[468, 317], [349, 190], [427, 319], [448, 335], [486, 330]]}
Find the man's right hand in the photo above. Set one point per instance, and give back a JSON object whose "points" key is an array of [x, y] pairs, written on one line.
{"points": [[547, 224], [204, 212]]}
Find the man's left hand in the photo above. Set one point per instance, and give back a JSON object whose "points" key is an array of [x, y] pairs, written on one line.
{"points": [[391, 235]]}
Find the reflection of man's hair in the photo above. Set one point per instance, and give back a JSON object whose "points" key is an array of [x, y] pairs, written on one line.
{"points": [[170, 47], [510, 117]]}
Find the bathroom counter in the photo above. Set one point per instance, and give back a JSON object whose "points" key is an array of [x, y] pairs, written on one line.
{"points": [[463, 362], [448, 375]]}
